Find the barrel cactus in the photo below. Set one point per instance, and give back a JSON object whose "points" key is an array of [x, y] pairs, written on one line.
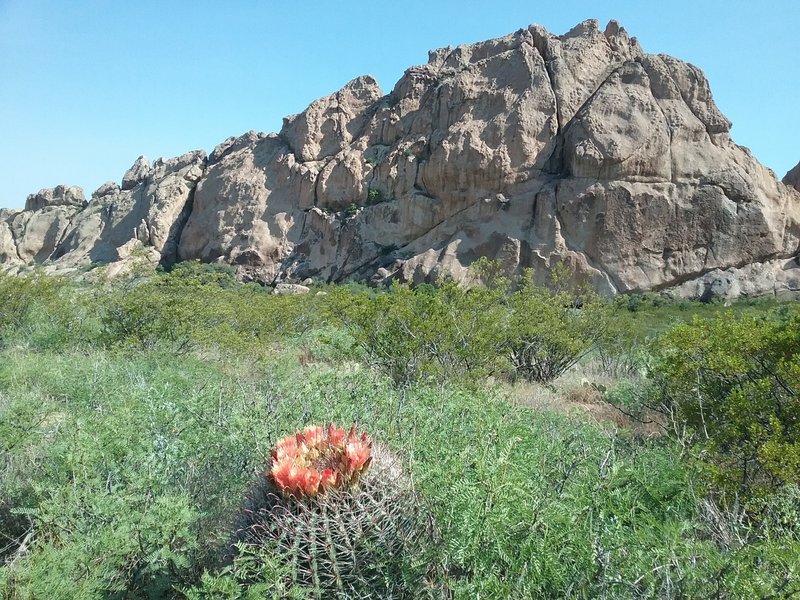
{"points": [[337, 511]]}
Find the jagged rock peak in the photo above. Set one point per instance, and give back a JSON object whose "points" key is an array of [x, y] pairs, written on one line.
{"points": [[331, 123], [136, 174], [61, 195], [106, 189], [792, 178]]}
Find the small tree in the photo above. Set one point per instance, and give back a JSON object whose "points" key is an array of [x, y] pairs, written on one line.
{"points": [[427, 331]]}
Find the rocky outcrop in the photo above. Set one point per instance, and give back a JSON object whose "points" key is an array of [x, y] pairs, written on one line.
{"points": [[780, 278], [9, 258], [532, 149], [792, 178], [151, 206], [32, 235], [60, 228], [61, 195]]}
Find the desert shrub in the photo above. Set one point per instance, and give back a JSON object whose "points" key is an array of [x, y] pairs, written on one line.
{"points": [[427, 331], [549, 332], [195, 273], [197, 307], [734, 382], [48, 312], [152, 314], [128, 477], [21, 295], [329, 343], [498, 328]]}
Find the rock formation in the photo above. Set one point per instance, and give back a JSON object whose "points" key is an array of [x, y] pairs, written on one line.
{"points": [[531, 149], [792, 178]]}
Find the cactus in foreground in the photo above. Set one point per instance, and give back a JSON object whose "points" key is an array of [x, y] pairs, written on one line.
{"points": [[338, 512]]}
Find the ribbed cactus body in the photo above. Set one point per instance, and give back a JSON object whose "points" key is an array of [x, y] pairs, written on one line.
{"points": [[373, 539]]}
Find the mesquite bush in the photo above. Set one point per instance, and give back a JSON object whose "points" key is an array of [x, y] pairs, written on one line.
{"points": [[340, 516]]}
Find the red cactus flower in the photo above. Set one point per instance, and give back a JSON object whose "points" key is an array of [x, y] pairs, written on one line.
{"points": [[335, 434], [318, 459], [358, 454]]}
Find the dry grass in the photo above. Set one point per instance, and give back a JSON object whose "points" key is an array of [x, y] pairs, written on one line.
{"points": [[580, 391]]}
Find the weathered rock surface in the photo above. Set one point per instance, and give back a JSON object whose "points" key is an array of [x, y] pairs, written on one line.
{"points": [[136, 174], [779, 277], [61, 195], [290, 289], [9, 258], [531, 149], [32, 235], [153, 212], [792, 178]]}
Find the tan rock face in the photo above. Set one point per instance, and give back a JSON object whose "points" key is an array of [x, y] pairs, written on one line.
{"points": [[60, 195], [38, 233], [153, 212], [530, 149], [9, 258]]}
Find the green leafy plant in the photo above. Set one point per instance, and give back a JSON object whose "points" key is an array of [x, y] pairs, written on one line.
{"points": [[551, 331], [375, 196], [423, 332], [734, 382]]}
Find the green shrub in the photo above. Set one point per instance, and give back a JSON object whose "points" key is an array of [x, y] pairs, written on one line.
{"points": [[19, 296], [197, 307], [375, 196], [734, 382], [550, 332], [417, 333]]}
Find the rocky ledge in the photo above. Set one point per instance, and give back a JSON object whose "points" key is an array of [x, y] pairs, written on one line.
{"points": [[531, 149]]}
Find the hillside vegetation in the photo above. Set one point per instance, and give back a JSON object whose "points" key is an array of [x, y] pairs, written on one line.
{"points": [[562, 445]]}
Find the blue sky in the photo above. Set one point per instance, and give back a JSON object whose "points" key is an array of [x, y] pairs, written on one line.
{"points": [[86, 86]]}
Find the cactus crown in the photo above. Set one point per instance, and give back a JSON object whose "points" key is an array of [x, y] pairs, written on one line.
{"points": [[319, 458]]}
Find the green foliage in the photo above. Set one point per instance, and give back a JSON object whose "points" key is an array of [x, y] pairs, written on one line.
{"points": [[451, 331], [195, 306], [375, 196], [19, 296], [256, 574], [420, 333], [134, 416], [549, 332], [46, 312], [734, 381]]}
